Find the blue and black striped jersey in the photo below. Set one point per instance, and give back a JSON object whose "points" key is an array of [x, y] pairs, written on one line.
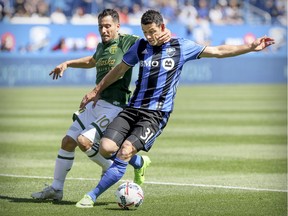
{"points": [[159, 71]]}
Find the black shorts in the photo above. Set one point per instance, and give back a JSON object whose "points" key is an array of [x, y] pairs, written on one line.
{"points": [[139, 126]]}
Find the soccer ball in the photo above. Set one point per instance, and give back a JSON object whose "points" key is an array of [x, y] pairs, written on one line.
{"points": [[129, 195]]}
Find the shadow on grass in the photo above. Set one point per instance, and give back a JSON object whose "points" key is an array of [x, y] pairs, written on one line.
{"points": [[119, 209], [31, 200]]}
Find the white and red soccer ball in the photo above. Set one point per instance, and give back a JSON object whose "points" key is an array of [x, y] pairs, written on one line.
{"points": [[129, 195]]}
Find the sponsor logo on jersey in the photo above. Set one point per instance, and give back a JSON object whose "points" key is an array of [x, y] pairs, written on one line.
{"points": [[168, 63], [149, 63], [105, 62]]}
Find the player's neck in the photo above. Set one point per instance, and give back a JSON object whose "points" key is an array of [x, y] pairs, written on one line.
{"points": [[112, 40]]}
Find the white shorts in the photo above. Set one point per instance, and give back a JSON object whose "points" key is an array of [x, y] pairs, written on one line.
{"points": [[92, 122]]}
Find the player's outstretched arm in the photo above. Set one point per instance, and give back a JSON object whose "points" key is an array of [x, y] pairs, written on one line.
{"points": [[111, 77], [224, 51], [85, 62]]}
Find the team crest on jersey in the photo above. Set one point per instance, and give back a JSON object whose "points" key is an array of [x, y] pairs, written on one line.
{"points": [[113, 49], [170, 51], [168, 63]]}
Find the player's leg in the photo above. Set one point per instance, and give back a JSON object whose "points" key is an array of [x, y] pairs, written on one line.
{"points": [[63, 165], [104, 113], [109, 145], [64, 160], [92, 151], [149, 130], [141, 138], [112, 175], [88, 141]]}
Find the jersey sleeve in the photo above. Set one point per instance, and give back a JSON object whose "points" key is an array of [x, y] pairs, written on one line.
{"points": [[131, 56], [191, 50]]}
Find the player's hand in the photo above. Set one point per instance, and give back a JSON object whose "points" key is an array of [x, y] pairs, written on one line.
{"points": [[262, 43], [91, 96], [58, 71], [165, 36]]}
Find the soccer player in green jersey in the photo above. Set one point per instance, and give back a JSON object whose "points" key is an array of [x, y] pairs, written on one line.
{"points": [[90, 122]]}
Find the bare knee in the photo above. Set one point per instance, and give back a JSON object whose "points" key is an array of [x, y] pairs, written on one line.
{"points": [[107, 147], [126, 151], [84, 143], [68, 144]]}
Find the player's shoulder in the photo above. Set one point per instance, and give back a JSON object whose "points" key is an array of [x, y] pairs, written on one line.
{"points": [[99, 45], [181, 40], [186, 43], [126, 41], [125, 37]]}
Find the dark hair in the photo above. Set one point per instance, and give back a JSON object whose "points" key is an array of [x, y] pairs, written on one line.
{"points": [[152, 16], [109, 12]]}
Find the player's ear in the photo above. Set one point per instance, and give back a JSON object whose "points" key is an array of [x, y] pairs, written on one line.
{"points": [[118, 27], [162, 26]]}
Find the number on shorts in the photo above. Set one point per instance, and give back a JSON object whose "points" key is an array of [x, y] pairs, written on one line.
{"points": [[148, 135], [103, 122]]}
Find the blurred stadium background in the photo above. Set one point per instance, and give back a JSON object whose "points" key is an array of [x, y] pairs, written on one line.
{"points": [[231, 155], [36, 35]]}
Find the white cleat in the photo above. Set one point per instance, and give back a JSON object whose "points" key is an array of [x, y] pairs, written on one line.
{"points": [[48, 193]]}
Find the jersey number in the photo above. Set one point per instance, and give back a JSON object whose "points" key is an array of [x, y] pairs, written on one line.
{"points": [[147, 136]]}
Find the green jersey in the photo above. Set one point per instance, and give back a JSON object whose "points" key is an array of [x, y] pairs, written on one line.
{"points": [[107, 56]]}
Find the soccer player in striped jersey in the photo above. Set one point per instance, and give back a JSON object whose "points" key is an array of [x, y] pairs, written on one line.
{"points": [[90, 122], [137, 126]]}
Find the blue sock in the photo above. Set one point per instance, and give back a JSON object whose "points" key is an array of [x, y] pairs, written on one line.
{"points": [[136, 161], [112, 175], [113, 156]]}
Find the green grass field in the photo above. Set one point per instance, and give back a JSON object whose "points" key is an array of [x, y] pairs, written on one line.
{"points": [[224, 152]]}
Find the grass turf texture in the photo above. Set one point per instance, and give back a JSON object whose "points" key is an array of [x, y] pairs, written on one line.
{"points": [[233, 136]]}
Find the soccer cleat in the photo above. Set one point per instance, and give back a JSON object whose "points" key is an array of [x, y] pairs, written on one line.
{"points": [[48, 193], [139, 174], [85, 202]]}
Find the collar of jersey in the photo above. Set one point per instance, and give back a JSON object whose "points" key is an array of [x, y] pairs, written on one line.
{"points": [[113, 41]]}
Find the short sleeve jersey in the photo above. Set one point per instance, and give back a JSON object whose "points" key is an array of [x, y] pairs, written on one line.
{"points": [[107, 56], [159, 71]]}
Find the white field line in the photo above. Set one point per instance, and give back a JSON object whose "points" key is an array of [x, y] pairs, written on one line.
{"points": [[157, 183]]}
